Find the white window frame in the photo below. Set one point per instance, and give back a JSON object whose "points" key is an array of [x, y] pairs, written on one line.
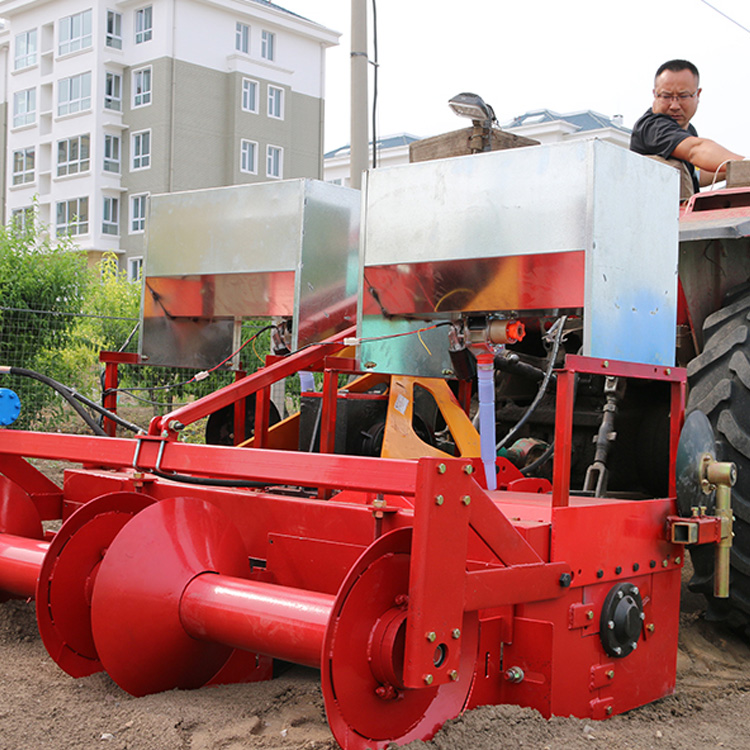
{"points": [[112, 153], [113, 38], [75, 217], [24, 107], [138, 205], [144, 24], [250, 92], [23, 165], [23, 218], [79, 145], [25, 49], [274, 162], [110, 216], [142, 83], [248, 156], [140, 150], [268, 45], [275, 102], [135, 268], [74, 94], [74, 32], [242, 38], [112, 91]]}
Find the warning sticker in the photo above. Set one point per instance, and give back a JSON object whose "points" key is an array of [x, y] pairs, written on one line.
{"points": [[402, 404]]}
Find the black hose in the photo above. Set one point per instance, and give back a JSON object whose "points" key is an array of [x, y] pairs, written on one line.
{"points": [[209, 481], [542, 388], [73, 398]]}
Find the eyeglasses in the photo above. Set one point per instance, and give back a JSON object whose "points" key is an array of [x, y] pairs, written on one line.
{"points": [[680, 97]]}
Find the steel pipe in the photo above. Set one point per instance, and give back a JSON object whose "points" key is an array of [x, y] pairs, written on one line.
{"points": [[20, 562], [279, 621]]}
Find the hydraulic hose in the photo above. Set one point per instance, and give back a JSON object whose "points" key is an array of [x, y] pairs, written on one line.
{"points": [[73, 398], [560, 326]]}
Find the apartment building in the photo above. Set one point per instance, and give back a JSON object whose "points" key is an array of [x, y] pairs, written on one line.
{"points": [[108, 103]]}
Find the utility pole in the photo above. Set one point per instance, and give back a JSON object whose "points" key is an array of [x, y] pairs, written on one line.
{"points": [[359, 131]]}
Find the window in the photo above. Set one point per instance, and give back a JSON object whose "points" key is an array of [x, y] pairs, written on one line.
{"points": [[25, 49], [141, 150], [274, 161], [242, 37], [114, 30], [143, 25], [248, 157], [135, 268], [73, 155], [23, 166], [73, 216], [111, 216], [74, 94], [138, 213], [112, 153], [276, 102], [74, 32], [113, 92], [267, 43], [23, 218], [24, 107], [141, 87], [249, 95]]}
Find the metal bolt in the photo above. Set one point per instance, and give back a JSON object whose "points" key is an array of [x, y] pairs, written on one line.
{"points": [[165, 433], [431, 636], [428, 679], [635, 591], [466, 499], [617, 650], [634, 645], [610, 674], [599, 573], [514, 674], [448, 373], [456, 634], [651, 627], [441, 468], [605, 363], [453, 675], [468, 469], [565, 580], [643, 615], [590, 614], [370, 365], [668, 370], [608, 710], [677, 560], [664, 563], [611, 624], [620, 594], [439, 500]]}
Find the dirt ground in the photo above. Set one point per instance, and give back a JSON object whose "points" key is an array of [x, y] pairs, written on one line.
{"points": [[41, 708]]}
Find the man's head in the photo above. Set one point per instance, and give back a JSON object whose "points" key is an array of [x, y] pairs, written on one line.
{"points": [[677, 91]]}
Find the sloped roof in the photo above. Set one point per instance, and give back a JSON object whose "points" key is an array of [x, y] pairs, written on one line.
{"points": [[269, 4], [390, 141], [585, 120]]}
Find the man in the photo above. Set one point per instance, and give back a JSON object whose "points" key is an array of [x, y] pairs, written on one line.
{"points": [[665, 131]]}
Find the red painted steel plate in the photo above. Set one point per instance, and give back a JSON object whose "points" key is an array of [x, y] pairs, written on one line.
{"points": [[67, 574], [135, 606], [373, 591], [18, 514]]}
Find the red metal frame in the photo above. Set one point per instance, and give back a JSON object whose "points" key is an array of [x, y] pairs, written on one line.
{"points": [[485, 585]]}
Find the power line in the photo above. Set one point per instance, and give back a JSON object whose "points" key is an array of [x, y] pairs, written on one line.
{"points": [[729, 18]]}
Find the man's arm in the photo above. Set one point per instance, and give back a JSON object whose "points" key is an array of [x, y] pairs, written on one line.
{"points": [[705, 154]]}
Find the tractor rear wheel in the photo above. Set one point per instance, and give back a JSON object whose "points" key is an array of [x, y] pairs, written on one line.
{"points": [[719, 382]]}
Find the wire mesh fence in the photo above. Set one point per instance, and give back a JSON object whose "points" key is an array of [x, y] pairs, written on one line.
{"points": [[65, 347]]}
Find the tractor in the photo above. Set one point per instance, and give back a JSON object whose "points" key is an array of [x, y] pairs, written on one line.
{"points": [[487, 497]]}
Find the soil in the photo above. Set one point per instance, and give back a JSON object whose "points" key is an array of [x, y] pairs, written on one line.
{"points": [[42, 708]]}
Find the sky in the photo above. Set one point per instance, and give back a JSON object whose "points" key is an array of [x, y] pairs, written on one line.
{"points": [[531, 54]]}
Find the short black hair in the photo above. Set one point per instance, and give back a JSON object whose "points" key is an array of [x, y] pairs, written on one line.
{"points": [[676, 66]]}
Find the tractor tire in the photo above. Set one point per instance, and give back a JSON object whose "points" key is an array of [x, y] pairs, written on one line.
{"points": [[719, 383]]}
